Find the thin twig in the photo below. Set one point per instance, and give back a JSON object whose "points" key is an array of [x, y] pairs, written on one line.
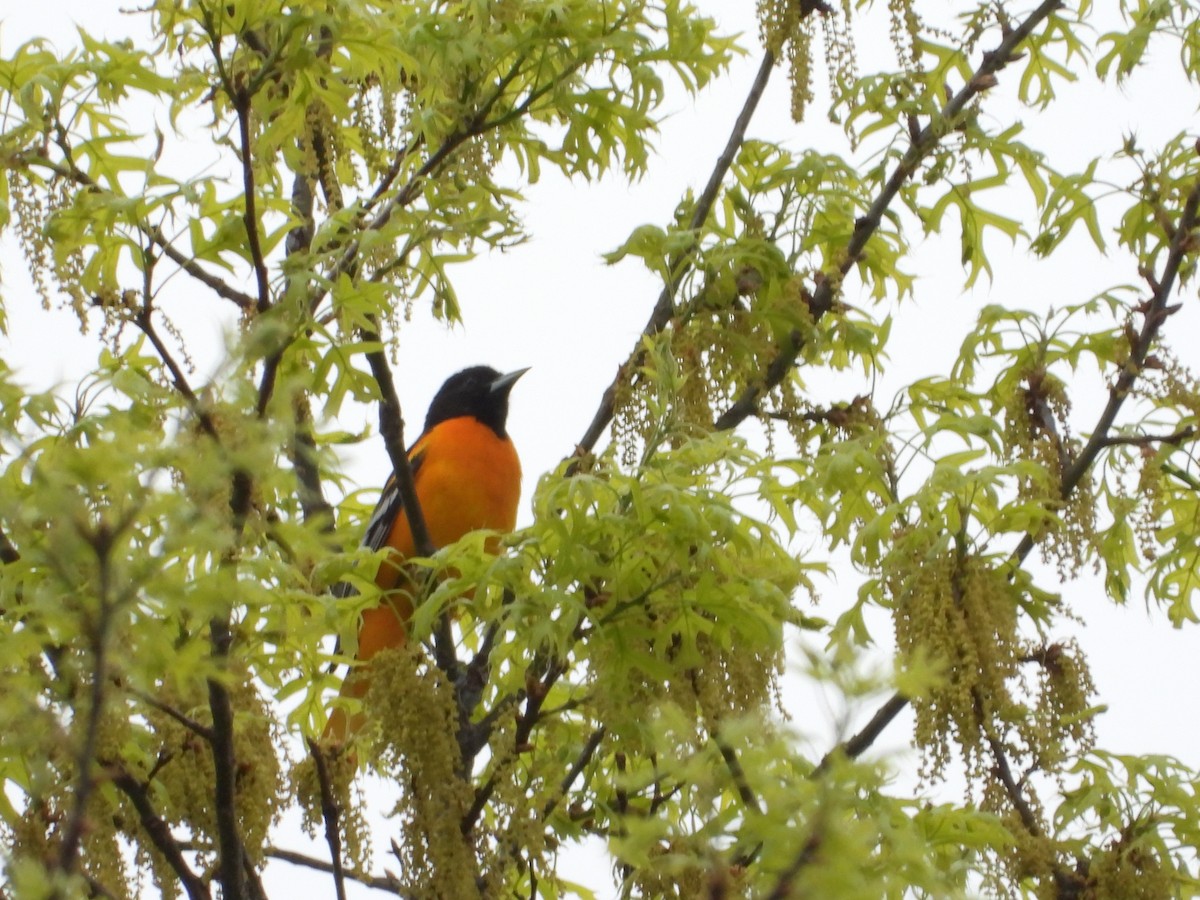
{"points": [[477, 125], [1189, 480], [378, 882], [330, 813], [187, 722], [152, 232], [581, 762], [189, 265], [159, 833], [1004, 773], [680, 263], [145, 324]]}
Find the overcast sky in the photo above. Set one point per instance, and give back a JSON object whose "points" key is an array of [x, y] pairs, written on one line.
{"points": [[552, 304]]}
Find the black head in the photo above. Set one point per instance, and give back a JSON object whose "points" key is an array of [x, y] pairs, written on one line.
{"points": [[479, 391]]}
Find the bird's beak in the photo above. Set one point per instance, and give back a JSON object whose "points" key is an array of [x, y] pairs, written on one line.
{"points": [[504, 383]]}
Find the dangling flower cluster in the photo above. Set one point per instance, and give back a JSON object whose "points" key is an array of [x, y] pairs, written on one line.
{"points": [[417, 716], [52, 270], [1064, 695], [960, 612], [786, 28], [340, 767], [188, 778], [906, 33]]}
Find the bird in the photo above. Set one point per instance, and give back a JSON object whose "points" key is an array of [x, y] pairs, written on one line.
{"points": [[467, 477]]}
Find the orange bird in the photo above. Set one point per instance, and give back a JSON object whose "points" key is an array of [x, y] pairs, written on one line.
{"points": [[467, 476]]}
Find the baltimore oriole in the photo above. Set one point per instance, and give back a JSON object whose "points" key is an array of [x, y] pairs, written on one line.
{"points": [[467, 477]]}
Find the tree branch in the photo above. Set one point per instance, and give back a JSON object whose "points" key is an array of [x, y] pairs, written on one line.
{"points": [[8, 551], [329, 812], [229, 860], [803, 859], [737, 773], [85, 757], [152, 232], [1154, 315], [145, 324], [1004, 773], [160, 834], [1067, 883], [202, 731], [1148, 440], [1189, 480], [922, 145], [313, 505], [379, 883], [857, 745], [581, 762], [525, 725], [682, 261], [391, 428]]}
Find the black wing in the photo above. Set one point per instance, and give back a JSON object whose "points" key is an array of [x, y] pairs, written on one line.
{"points": [[379, 526]]}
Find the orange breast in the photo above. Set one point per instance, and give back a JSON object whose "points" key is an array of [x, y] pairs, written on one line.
{"points": [[469, 478]]}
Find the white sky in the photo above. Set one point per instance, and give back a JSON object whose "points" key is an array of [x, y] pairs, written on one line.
{"points": [[552, 304]]}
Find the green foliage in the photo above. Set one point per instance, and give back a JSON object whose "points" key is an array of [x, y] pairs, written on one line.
{"points": [[616, 671]]}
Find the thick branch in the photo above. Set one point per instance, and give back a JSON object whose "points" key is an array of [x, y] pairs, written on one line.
{"points": [[231, 853], [230, 858], [85, 757], [802, 860], [8, 551], [525, 725], [220, 735], [313, 504], [738, 774], [1175, 438]]}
